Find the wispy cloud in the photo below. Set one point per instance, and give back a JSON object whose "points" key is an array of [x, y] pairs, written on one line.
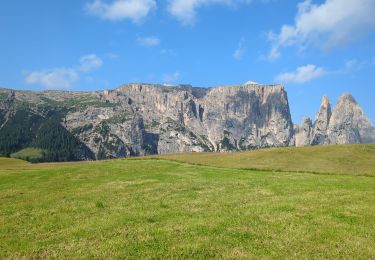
{"points": [[148, 41], [302, 74], [90, 62], [118, 10], [332, 24], [354, 65], [171, 77], [185, 10], [55, 78], [241, 50], [350, 64], [63, 77]]}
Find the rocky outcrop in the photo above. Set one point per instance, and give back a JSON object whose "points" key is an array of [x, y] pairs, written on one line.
{"points": [[304, 134], [139, 119], [347, 124], [322, 123], [217, 119], [247, 117]]}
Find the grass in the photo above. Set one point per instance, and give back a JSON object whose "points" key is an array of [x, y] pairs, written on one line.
{"points": [[332, 159], [29, 154], [11, 164], [152, 208]]}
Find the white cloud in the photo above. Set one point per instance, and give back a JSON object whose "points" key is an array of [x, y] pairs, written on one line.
{"points": [[274, 54], [332, 24], [55, 78], [351, 64], [117, 10], [148, 41], [356, 65], [301, 75], [90, 62], [63, 77], [171, 77], [241, 50], [185, 10]]}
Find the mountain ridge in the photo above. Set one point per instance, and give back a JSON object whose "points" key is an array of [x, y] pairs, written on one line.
{"points": [[346, 124], [139, 119]]}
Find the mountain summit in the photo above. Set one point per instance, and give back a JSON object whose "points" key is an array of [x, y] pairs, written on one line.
{"points": [[347, 124]]}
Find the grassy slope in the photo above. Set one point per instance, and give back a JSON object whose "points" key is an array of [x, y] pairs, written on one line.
{"points": [[163, 209], [29, 153], [337, 159], [6, 163]]}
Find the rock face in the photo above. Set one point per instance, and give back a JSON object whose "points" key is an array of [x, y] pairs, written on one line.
{"points": [[304, 133], [140, 119], [347, 124], [322, 123], [217, 119]]}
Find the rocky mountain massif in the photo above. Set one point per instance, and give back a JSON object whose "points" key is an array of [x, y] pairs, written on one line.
{"points": [[347, 124], [140, 119]]}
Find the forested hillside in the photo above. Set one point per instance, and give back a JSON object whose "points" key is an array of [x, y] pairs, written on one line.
{"points": [[24, 129]]}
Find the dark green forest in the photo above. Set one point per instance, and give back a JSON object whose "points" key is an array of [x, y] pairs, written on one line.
{"points": [[25, 129]]}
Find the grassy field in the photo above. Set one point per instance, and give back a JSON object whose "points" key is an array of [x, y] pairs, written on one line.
{"points": [[333, 159], [158, 208]]}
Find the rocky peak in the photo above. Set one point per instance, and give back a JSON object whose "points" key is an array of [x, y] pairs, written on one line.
{"points": [[349, 124], [347, 98], [304, 133], [325, 103], [322, 122]]}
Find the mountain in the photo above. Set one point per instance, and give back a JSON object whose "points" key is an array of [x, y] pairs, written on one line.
{"points": [[303, 134], [347, 124], [321, 125], [25, 124], [142, 119]]}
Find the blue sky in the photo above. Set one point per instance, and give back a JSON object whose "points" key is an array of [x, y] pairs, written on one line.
{"points": [[314, 48]]}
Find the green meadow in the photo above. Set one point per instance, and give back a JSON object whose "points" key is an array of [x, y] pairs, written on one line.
{"points": [[29, 154], [356, 159], [301, 203]]}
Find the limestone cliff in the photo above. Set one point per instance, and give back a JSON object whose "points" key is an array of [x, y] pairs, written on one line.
{"points": [[139, 119], [322, 123], [347, 124], [304, 134]]}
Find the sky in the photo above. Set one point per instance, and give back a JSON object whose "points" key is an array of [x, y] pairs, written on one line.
{"points": [[313, 47]]}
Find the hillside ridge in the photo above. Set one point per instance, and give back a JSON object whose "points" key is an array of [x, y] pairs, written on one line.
{"points": [[142, 119]]}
